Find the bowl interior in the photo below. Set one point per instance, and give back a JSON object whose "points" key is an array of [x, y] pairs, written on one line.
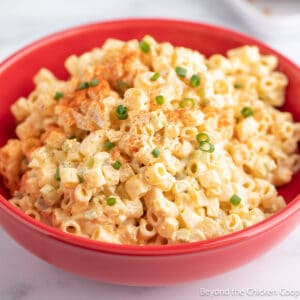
{"points": [[17, 72]]}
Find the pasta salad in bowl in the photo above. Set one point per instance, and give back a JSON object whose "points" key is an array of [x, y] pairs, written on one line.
{"points": [[150, 145]]}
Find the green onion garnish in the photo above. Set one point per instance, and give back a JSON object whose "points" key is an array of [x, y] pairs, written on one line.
{"points": [[82, 86], [58, 95], [155, 152], [121, 87], [111, 201], [181, 72], [202, 137], [204, 142], [93, 82], [206, 147], [155, 76], [195, 80], [238, 86], [86, 84], [117, 165], [159, 100], [184, 102], [144, 46], [247, 112], [57, 175], [109, 145], [121, 112], [235, 200]]}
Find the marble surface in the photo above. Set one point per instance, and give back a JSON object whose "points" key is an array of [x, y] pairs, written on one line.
{"points": [[25, 277]]}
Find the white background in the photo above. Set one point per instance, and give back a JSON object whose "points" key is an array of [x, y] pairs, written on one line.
{"points": [[25, 277]]}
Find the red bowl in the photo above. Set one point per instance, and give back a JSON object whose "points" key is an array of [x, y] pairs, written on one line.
{"points": [[138, 265]]}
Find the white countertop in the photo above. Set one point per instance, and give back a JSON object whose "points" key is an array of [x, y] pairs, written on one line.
{"points": [[25, 277]]}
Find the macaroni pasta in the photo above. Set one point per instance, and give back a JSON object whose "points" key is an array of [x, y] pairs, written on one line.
{"points": [[147, 143]]}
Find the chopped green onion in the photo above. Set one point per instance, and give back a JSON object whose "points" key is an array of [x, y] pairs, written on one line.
{"points": [[117, 165], [156, 152], [80, 178], [235, 200], [206, 147], [185, 101], [159, 100], [82, 86], [109, 145], [93, 82], [111, 201], [155, 76], [247, 112], [58, 95], [195, 80], [122, 113], [181, 72], [121, 87], [202, 137], [57, 175], [238, 86], [144, 46], [85, 85]]}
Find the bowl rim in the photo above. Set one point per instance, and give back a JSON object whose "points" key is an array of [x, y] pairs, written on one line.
{"points": [[147, 250]]}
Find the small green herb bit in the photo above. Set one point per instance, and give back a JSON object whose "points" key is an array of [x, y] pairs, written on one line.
{"points": [[195, 80], [206, 147], [117, 165], [181, 72], [155, 76], [122, 112], [57, 175], [144, 46], [156, 152], [238, 86], [122, 87], [82, 86], [159, 100], [93, 82], [109, 145], [202, 137], [58, 95], [187, 101], [247, 112], [111, 201], [235, 200]]}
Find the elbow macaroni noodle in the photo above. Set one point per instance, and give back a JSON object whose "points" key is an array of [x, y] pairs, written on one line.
{"points": [[101, 156]]}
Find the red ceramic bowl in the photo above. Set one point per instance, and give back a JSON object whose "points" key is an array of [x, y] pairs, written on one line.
{"points": [[138, 265]]}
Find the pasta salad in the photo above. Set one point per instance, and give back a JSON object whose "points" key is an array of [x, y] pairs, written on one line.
{"points": [[148, 143]]}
